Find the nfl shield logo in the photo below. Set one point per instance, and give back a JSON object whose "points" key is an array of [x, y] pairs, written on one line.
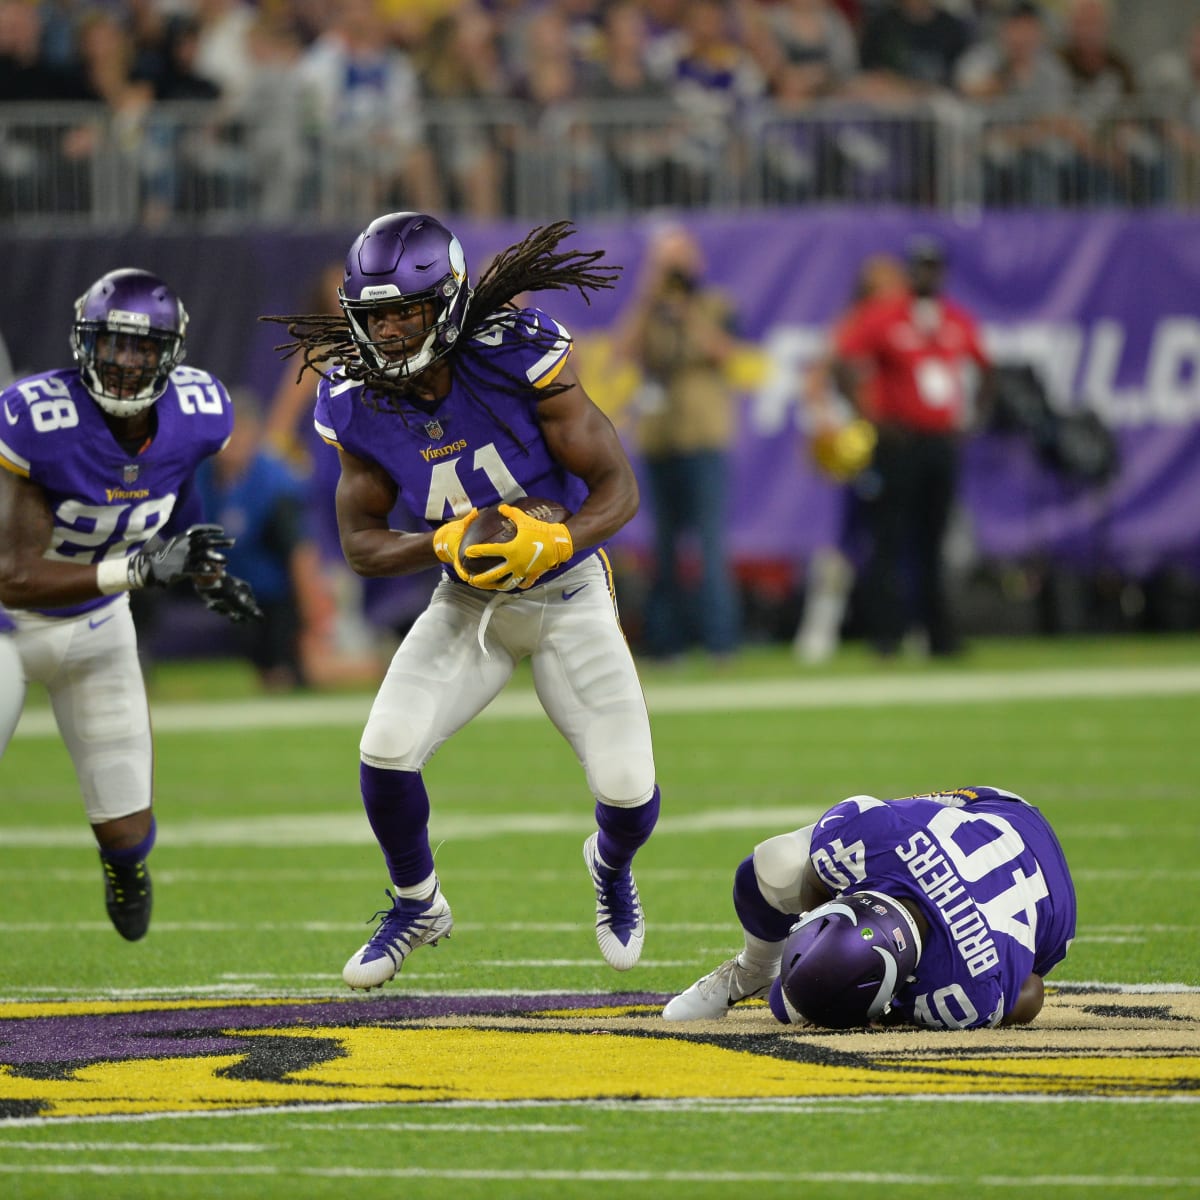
{"points": [[434, 429], [130, 473]]}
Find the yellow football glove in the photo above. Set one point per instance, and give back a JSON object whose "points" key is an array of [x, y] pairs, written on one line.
{"points": [[536, 547], [844, 451], [446, 541]]}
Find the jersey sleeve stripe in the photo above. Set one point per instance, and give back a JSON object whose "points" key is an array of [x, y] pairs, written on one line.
{"points": [[544, 371], [12, 461], [549, 377], [327, 435]]}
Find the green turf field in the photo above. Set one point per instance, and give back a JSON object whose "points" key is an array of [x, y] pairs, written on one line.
{"points": [[266, 875]]}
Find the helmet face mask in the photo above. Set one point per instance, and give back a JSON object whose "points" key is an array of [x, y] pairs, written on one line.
{"points": [[844, 961], [127, 337], [411, 263]]}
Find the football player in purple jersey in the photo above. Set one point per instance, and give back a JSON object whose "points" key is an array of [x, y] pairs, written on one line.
{"points": [[945, 910], [96, 500], [449, 398]]}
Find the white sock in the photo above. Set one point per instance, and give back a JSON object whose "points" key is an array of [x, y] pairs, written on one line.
{"points": [[760, 956]]}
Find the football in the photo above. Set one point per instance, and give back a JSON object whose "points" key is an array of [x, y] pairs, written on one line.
{"points": [[493, 526]]}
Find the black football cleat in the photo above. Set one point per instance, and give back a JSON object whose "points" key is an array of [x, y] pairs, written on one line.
{"points": [[128, 897]]}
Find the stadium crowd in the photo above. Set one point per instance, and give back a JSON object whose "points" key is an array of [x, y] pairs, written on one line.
{"points": [[442, 104]]}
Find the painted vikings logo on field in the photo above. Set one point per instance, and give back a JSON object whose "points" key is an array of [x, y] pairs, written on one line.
{"points": [[98, 1058]]}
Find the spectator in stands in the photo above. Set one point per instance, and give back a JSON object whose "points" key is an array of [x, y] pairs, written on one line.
{"points": [[917, 347], [25, 73], [222, 45], [715, 81], [367, 97], [31, 161], [270, 120], [1019, 73], [893, 152], [553, 77], [679, 331], [809, 54], [1016, 65], [1101, 75], [179, 78], [1118, 157], [458, 61], [910, 48], [641, 143], [809, 42], [122, 122], [1173, 77]]}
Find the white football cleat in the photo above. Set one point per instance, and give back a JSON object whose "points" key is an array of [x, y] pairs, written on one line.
{"points": [[710, 998], [405, 926], [620, 925]]}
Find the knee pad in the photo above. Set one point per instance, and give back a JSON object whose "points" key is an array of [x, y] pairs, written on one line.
{"points": [[779, 868], [620, 768], [623, 783], [114, 784], [399, 738]]}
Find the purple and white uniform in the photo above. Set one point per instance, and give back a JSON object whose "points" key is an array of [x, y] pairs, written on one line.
{"points": [[106, 504], [989, 876], [481, 445], [460, 457]]}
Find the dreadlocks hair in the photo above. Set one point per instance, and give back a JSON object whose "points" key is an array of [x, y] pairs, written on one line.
{"points": [[535, 264]]}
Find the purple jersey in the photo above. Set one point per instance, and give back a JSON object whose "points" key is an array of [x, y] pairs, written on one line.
{"points": [[7, 625], [458, 455], [989, 877], [106, 502]]}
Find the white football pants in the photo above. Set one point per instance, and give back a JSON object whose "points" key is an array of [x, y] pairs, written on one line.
{"points": [[89, 665], [463, 649]]}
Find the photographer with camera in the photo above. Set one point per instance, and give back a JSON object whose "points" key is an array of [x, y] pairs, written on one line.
{"points": [[679, 331]]}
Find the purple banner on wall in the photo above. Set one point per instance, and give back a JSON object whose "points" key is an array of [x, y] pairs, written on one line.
{"points": [[1105, 306]]}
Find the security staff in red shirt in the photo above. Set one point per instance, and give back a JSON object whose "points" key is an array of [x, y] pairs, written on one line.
{"points": [[906, 362]]}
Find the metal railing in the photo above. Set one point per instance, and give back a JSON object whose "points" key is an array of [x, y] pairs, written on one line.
{"points": [[194, 165]]}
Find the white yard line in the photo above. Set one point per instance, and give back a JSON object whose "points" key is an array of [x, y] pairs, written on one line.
{"points": [[1152, 1183], [289, 712]]}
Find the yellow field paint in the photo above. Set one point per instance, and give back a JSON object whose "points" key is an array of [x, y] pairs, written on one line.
{"points": [[418, 1062]]}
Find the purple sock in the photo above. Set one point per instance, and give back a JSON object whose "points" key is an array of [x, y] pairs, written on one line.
{"points": [[397, 807], [756, 915], [132, 854], [623, 830]]}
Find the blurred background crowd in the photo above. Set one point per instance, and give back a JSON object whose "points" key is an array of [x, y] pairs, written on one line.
{"points": [[760, 168], [210, 110]]}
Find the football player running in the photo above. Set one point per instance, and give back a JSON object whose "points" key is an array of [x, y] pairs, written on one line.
{"points": [[944, 910], [96, 501], [450, 399]]}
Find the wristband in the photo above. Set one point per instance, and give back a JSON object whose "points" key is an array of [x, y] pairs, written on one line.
{"points": [[112, 576]]}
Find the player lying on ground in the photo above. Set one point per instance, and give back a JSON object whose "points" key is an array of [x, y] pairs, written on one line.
{"points": [[946, 910]]}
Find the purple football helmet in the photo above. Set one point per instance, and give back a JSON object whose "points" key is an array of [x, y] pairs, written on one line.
{"points": [[843, 962], [406, 258], [127, 337]]}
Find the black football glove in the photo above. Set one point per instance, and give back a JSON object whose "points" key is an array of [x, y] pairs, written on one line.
{"points": [[196, 551], [231, 597]]}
